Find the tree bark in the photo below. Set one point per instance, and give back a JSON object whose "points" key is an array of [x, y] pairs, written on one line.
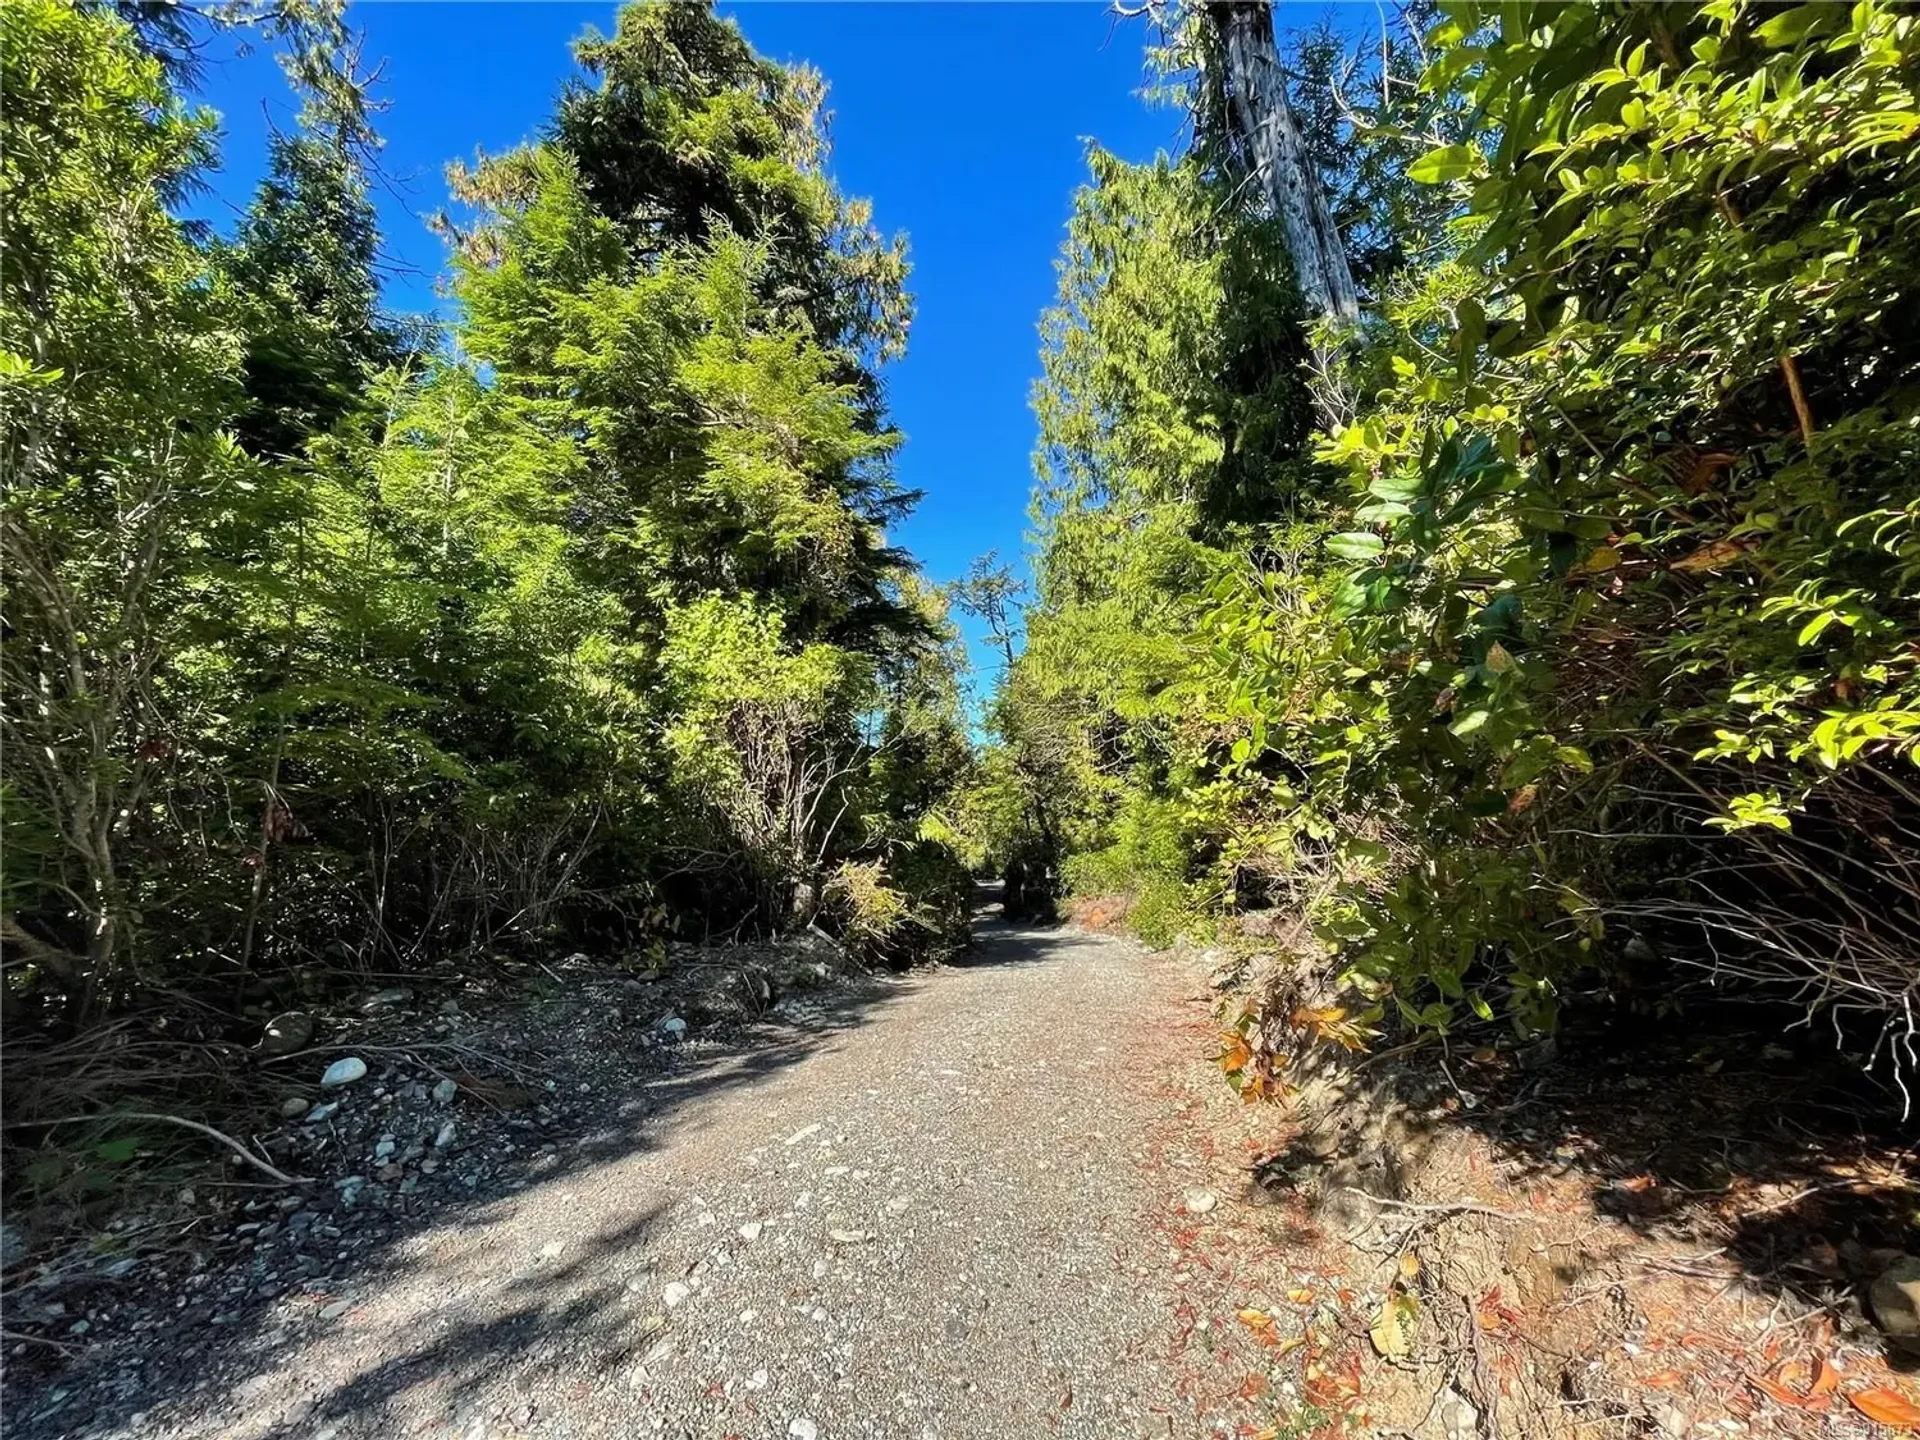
{"points": [[1256, 95]]}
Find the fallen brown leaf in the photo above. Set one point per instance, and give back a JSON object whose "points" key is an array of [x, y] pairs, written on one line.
{"points": [[1888, 1407], [1825, 1378]]}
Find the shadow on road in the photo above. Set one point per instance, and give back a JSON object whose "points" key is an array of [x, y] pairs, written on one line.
{"points": [[196, 1330]]}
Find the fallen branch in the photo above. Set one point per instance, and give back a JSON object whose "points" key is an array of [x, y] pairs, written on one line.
{"points": [[1455, 1207], [207, 1130], [66, 1347]]}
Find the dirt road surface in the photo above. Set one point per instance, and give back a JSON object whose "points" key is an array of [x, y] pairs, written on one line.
{"points": [[949, 1213]]}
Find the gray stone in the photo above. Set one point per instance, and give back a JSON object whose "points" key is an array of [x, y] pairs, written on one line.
{"points": [[13, 1246], [445, 1091], [801, 1428], [674, 1292], [1200, 1202], [445, 1137], [344, 1072], [386, 999], [322, 1112], [1452, 1417], [751, 1230], [293, 1106], [1895, 1301], [287, 1033]]}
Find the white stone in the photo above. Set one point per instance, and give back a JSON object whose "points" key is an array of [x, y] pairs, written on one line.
{"points": [[674, 1292], [751, 1230], [344, 1072]]}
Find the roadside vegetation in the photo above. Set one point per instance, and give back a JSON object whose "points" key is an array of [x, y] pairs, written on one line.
{"points": [[342, 647], [1540, 622]]}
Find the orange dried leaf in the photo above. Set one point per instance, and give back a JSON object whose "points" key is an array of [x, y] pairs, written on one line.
{"points": [[1254, 1386], [1301, 1296], [1825, 1378], [1888, 1407], [1255, 1319], [1781, 1395], [1665, 1380]]}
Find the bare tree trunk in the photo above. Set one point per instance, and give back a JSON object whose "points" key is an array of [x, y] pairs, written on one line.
{"points": [[1256, 93]]}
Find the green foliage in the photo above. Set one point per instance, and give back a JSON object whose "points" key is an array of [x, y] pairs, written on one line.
{"points": [[912, 905], [1618, 625], [330, 640], [1608, 631]]}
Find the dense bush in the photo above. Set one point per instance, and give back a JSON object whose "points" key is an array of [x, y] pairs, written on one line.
{"points": [[340, 646], [1592, 635]]}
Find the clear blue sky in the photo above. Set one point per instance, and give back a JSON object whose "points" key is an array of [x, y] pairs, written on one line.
{"points": [[966, 124]]}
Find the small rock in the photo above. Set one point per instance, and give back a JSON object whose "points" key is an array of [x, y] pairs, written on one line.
{"points": [[551, 1250], [801, 1428], [757, 1380], [1668, 1419], [445, 1137], [13, 1246], [336, 1309], [849, 1237], [287, 1033], [673, 1027], [344, 1072], [385, 999], [1200, 1202], [898, 1205], [292, 1106], [675, 1291], [385, 1148], [751, 1230], [1895, 1300], [1539, 1054], [445, 1091], [322, 1112], [1453, 1417]]}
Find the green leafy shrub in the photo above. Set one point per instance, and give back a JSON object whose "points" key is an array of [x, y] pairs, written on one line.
{"points": [[911, 906], [1618, 630]]}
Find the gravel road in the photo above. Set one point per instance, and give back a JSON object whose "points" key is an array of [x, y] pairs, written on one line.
{"points": [[942, 1216]]}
